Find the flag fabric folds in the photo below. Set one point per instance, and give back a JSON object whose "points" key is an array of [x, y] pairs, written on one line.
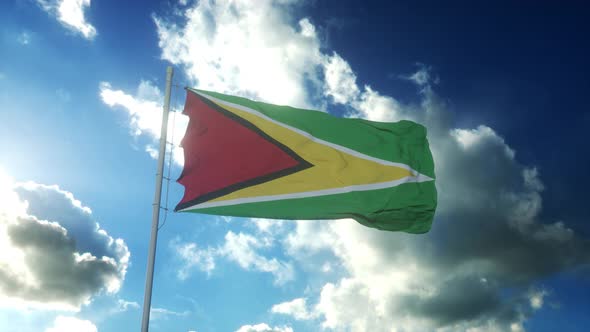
{"points": [[252, 159]]}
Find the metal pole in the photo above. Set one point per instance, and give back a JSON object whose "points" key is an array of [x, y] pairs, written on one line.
{"points": [[149, 277]]}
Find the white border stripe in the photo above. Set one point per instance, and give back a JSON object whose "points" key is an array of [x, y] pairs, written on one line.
{"points": [[362, 187]]}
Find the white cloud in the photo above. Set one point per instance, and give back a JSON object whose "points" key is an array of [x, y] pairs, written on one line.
{"points": [[296, 308], [349, 304], [372, 105], [267, 227], [471, 138], [340, 80], [123, 305], [193, 257], [536, 299], [24, 38], [263, 327], [71, 324], [309, 236], [70, 13], [161, 313], [245, 48], [422, 77], [144, 110], [53, 255], [225, 219], [242, 249]]}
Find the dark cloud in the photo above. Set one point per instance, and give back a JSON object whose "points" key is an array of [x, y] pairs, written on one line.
{"points": [[51, 203], [460, 299], [66, 256], [490, 212]]}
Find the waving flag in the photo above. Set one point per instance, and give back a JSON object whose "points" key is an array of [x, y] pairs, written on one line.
{"points": [[252, 159]]}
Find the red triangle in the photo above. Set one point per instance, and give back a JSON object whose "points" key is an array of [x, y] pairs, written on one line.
{"points": [[224, 153]]}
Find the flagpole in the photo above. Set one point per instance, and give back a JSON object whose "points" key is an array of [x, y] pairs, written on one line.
{"points": [[149, 277]]}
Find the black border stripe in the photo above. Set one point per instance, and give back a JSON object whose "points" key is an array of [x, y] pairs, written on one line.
{"points": [[302, 163]]}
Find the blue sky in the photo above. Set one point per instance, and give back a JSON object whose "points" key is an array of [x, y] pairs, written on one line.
{"points": [[501, 88]]}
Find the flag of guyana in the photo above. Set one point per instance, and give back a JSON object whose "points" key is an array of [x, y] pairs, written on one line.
{"points": [[252, 159]]}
